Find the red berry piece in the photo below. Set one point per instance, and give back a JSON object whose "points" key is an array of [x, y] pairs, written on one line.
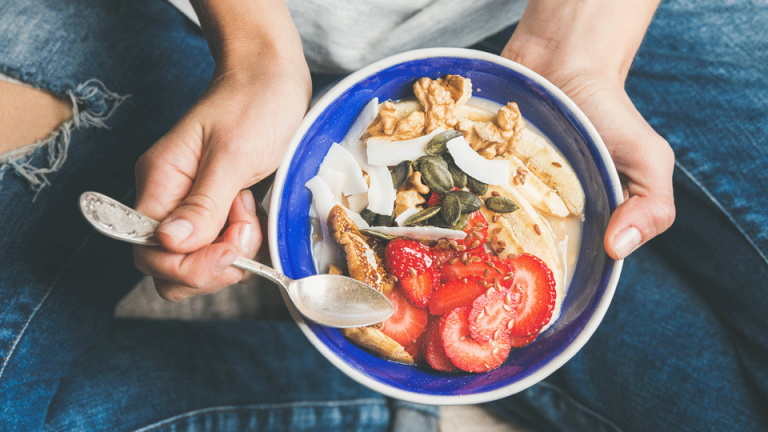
{"points": [[434, 352], [518, 342], [456, 293], [419, 288], [477, 232], [535, 284], [491, 314], [466, 353], [407, 322]]}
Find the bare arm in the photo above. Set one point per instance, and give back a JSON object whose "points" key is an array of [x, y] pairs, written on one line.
{"points": [[586, 48]]}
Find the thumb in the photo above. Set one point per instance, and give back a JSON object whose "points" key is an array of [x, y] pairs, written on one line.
{"points": [[199, 218], [648, 211]]}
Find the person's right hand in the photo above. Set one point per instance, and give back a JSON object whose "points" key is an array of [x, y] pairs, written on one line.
{"points": [[195, 179]]}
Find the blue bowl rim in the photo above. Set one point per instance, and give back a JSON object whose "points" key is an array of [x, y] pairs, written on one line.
{"points": [[613, 188]]}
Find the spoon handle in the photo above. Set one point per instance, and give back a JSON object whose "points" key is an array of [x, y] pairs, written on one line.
{"points": [[114, 219], [262, 270]]}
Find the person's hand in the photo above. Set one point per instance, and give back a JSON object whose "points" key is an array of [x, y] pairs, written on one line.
{"points": [[195, 178], [586, 49]]}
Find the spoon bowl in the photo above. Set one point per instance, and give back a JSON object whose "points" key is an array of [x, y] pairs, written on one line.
{"points": [[329, 300]]}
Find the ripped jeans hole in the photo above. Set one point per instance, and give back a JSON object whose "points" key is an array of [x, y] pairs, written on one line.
{"points": [[92, 105]]}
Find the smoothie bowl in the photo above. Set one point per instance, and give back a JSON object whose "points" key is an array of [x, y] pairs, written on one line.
{"points": [[475, 195]]}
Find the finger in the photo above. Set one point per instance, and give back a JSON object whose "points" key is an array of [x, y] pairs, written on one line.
{"points": [[202, 272], [649, 211]]}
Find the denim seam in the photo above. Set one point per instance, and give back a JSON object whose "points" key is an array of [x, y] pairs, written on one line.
{"points": [[581, 407], [32, 314], [178, 417], [717, 203]]}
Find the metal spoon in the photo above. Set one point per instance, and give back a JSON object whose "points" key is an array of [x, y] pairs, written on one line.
{"points": [[329, 300]]}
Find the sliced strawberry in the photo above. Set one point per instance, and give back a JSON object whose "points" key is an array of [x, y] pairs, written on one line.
{"points": [[419, 288], [492, 268], [444, 253], [518, 342], [477, 232], [466, 353], [434, 353], [456, 293], [416, 349], [492, 312], [534, 282], [407, 258], [407, 322]]}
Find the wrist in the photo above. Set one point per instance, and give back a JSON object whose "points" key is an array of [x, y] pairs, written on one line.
{"points": [[562, 38]]}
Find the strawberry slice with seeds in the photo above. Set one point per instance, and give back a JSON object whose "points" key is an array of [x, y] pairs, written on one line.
{"points": [[444, 253], [416, 349], [434, 353], [456, 293], [407, 258], [419, 288], [477, 233], [492, 312], [407, 322], [466, 353], [534, 282]]}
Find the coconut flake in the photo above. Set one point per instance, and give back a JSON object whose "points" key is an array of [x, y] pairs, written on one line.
{"points": [[357, 202], [422, 233], [388, 153], [356, 218], [367, 116], [334, 179], [382, 193], [494, 172], [400, 219], [322, 197], [341, 159]]}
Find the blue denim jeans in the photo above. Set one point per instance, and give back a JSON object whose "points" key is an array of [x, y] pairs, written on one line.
{"points": [[683, 347]]}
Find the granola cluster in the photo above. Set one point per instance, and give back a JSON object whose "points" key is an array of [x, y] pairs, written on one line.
{"points": [[440, 100]]}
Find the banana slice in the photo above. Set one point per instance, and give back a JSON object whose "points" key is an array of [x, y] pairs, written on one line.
{"points": [[544, 161], [534, 190]]}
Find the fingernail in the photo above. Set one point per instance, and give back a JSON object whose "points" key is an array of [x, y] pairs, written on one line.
{"points": [[225, 261], [246, 232], [178, 229], [626, 242], [248, 201]]}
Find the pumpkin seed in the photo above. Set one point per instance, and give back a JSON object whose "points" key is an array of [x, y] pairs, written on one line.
{"points": [[459, 176], [436, 175], [500, 204], [377, 235], [451, 209], [477, 186], [462, 223], [469, 201], [417, 163], [400, 173], [437, 145], [385, 220], [438, 221], [422, 216], [368, 216]]}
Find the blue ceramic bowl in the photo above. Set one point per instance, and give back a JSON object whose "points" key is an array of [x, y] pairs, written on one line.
{"points": [[543, 105]]}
